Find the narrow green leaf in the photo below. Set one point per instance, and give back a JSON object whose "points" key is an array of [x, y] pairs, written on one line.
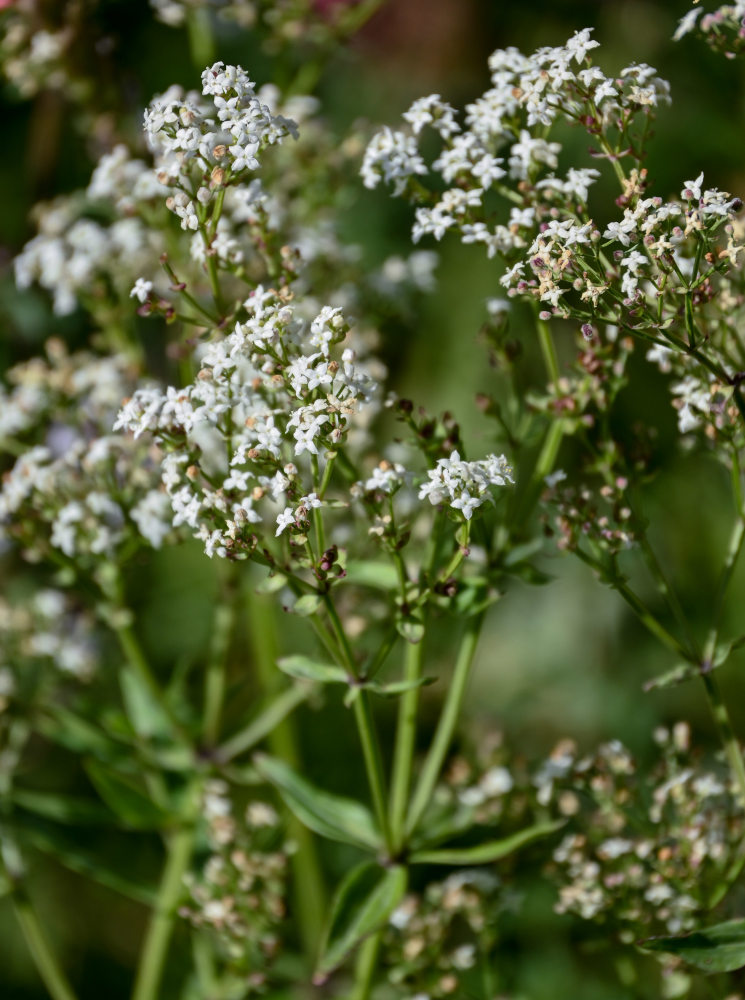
{"points": [[143, 711], [124, 796], [331, 816], [394, 688], [63, 808], [363, 903], [73, 732], [306, 605], [720, 948], [676, 675], [492, 850], [84, 862], [373, 573], [304, 668]]}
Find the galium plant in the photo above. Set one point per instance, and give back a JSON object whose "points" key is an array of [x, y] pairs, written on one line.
{"points": [[275, 445]]}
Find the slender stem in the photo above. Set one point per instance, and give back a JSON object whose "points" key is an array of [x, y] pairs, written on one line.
{"points": [[732, 748], [668, 593], [49, 969], [214, 679], [367, 961], [158, 937], [309, 894], [365, 727], [643, 613], [548, 350], [373, 763], [405, 744], [447, 722], [719, 709]]}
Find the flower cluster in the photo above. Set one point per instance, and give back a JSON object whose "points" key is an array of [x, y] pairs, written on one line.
{"points": [[723, 29], [638, 273], [45, 630], [602, 520], [645, 870], [239, 893], [465, 486], [95, 492], [435, 938], [270, 403]]}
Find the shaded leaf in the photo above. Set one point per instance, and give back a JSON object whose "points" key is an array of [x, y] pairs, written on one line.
{"points": [[124, 796], [73, 732], [491, 850], [86, 862], [305, 668], [331, 816], [720, 948], [363, 903], [143, 711], [63, 808]]}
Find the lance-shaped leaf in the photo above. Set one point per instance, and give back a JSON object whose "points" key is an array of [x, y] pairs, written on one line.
{"points": [[491, 850], [363, 903], [125, 798], [394, 688], [63, 808], [304, 668], [720, 948], [86, 862], [74, 733], [331, 816], [372, 573]]}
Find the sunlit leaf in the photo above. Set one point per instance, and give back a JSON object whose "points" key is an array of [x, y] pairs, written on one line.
{"points": [[305, 668], [491, 850], [331, 816], [720, 948]]}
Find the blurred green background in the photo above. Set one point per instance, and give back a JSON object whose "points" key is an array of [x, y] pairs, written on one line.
{"points": [[566, 659]]}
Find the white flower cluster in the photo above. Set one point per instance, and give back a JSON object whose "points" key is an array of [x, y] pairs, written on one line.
{"points": [[258, 404], [528, 94], [465, 486], [75, 258], [44, 629], [637, 870], [723, 28], [93, 490], [222, 136]]}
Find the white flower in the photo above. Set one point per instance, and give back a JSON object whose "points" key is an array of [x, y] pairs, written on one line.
{"points": [[141, 290]]}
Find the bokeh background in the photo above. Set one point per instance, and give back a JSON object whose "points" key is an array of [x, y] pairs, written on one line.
{"points": [[565, 659]]}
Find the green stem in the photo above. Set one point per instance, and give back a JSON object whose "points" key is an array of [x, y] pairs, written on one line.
{"points": [[46, 964], [309, 894], [405, 745], [373, 763], [158, 937], [215, 676], [447, 723], [548, 350], [367, 961], [732, 748], [365, 727]]}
